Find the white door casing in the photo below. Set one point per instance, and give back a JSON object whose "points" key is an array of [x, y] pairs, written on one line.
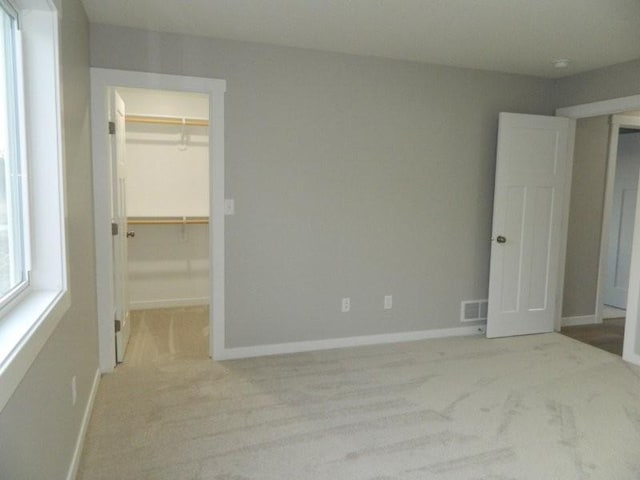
{"points": [[119, 219], [616, 106], [529, 206], [622, 221], [102, 80]]}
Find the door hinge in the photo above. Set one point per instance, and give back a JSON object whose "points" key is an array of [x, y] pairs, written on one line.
{"points": [[114, 228], [118, 325], [112, 128]]}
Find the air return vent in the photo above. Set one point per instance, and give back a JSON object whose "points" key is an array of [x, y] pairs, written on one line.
{"points": [[473, 310]]}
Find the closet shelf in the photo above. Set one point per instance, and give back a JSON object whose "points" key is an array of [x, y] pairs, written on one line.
{"points": [[167, 220], [166, 120]]}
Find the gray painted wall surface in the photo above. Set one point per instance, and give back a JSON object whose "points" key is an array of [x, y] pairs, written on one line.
{"points": [[352, 177], [39, 427], [585, 216], [617, 81]]}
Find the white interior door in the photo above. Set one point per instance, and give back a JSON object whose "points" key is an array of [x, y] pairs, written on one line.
{"points": [[119, 220], [623, 213], [530, 191]]}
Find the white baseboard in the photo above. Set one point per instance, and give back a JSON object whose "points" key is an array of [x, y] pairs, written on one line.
{"points": [[168, 303], [631, 358], [307, 346], [580, 320], [75, 461]]}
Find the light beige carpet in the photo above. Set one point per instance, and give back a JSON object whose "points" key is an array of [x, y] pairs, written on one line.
{"points": [[537, 407]]}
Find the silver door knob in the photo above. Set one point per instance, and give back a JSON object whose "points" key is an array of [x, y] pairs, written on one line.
{"points": [[131, 234], [501, 239]]}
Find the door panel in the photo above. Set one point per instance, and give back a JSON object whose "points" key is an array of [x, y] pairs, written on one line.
{"points": [[628, 213], [119, 217], [541, 248], [509, 294], [530, 186]]}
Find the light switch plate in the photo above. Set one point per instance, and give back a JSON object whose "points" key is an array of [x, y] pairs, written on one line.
{"points": [[229, 206]]}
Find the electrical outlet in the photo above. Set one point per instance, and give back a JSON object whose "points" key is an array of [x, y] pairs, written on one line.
{"points": [[74, 391], [388, 302], [346, 304]]}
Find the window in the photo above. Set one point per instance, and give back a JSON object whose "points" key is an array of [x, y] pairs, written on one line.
{"points": [[33, 273], [13, 272]]}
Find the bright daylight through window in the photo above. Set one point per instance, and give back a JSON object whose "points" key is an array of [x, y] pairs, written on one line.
{"points": [[13, 273]]}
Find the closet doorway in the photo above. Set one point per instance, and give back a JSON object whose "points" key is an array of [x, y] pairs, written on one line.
{"points": [[167, 208], [159, 206]]}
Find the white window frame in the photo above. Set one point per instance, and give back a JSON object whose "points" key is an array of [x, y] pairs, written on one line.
{"points": [[28, 322], [17, 138]]}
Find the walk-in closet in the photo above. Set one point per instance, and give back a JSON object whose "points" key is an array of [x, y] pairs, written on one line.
{"points": [[167, 208]]}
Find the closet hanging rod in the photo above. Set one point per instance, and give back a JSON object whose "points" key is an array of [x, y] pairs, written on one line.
{"points": [[168, 221], [163, 120]]}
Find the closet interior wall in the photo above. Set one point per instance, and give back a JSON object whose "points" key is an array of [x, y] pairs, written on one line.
{"points": [[167, 180]]}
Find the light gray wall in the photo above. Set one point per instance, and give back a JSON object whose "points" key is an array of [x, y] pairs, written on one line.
{"points": [[352, 176], [617, 81], [585, 216], [39, 427]]}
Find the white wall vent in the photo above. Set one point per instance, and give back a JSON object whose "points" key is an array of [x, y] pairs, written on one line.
{"points": [[473, 310]]}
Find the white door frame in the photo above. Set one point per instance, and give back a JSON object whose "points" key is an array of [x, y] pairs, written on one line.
{"points": [[631, 349], [101, 80], [617, 122]]}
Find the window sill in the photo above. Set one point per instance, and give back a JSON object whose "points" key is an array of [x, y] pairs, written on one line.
{"points": [[23, 332]]}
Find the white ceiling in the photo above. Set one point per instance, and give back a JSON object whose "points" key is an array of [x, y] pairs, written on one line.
{"points": [[518, 36]]}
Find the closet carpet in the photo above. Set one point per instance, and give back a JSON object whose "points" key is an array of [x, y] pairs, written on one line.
{"points": [[532, 407]]}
